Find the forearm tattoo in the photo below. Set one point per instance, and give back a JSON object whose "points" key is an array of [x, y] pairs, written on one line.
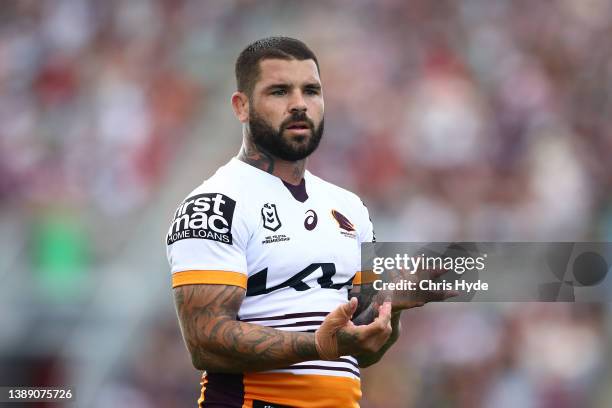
{"points": [[219, 343]]}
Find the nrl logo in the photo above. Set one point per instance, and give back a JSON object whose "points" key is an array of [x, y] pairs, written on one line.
{"points": [[270, 217]]}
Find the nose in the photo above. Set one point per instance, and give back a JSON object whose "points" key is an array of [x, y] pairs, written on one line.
{"points": [[297, 103]]}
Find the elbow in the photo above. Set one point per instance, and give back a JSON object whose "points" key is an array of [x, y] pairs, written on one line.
{"points": [[198, 363], [209, 356], [211, 362], [197, 360], [201, 359]]}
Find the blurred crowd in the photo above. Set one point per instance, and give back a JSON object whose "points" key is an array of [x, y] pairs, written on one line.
{"points": [[453, 120], [502, 356], [94, 100], [473, 120]]}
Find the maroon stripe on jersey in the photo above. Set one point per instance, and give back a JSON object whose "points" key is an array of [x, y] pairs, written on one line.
{"points": [[346, 360], [300, 324], [223, 391], [286, 316]]}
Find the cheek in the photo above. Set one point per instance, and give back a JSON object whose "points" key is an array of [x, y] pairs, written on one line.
{"points": [[316, 110], [270, 112]]}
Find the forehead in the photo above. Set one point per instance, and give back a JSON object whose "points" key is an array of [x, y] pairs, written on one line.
{"points": [[272, 71]]}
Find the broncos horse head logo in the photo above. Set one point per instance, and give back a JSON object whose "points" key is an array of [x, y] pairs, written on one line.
{"points": [[343, 222]]}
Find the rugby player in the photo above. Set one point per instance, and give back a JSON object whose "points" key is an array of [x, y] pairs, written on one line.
{"points": [[265, 255]]}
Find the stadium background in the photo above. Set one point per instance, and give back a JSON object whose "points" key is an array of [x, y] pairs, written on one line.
{"points": [[454, 120]]}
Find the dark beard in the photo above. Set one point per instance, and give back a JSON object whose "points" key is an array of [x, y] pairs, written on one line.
{"points": [[271, 140]]}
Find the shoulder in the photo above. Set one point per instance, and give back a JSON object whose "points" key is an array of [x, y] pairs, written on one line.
{"points": [[228, 179], [228, 182], [336, 192], [213, 209]]}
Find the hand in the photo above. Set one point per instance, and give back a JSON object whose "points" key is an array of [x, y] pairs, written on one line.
{"points": [[406, 299], [339, 336]]}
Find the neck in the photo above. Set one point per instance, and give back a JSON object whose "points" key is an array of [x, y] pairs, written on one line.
{"points": [[291, 172]]}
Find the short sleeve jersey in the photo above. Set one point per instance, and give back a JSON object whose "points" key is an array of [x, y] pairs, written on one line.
{"points": [[296, 252]]}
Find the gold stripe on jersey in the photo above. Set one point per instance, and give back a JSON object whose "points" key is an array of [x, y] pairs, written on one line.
{"points": [[209, 278], [303, 391], [203, 388], [364, 277]]}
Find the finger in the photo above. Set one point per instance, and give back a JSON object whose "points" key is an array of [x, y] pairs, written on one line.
{"points": [[351, 306], [439, 295], [379, 325], [436, 273], [451, 293], [387, 296], [346, 310], [341, 315], [384, 314], [384, 320]]}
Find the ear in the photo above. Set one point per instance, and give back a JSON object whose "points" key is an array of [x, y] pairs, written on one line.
{"points": [[240, 105]]}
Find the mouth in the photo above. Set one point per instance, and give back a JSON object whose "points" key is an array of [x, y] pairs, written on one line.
{"points": [[298, 126]]}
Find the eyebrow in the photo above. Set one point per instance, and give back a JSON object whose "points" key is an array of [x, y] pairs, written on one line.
{"points": [[313, 85], [280, 85]]}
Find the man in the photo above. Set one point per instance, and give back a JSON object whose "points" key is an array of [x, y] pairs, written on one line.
{"points": [[264, 254]]}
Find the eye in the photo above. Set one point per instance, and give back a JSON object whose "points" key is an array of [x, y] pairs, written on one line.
{"points": [[279, 92], [311, 91]]}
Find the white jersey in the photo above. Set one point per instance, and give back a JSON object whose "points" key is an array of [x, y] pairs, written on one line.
{"points": [[296, 251]]}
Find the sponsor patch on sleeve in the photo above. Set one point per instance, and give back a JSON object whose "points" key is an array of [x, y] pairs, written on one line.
{"points": [[204, 216]]}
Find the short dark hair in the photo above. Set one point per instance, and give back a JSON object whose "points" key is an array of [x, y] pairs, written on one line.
{"points": [[247, 64]]}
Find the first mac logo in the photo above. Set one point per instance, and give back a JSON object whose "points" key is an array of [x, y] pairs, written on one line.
{"points": [[206, 216]]}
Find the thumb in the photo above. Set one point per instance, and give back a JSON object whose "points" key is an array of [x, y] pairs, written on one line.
{"points": [[325, 336], [340, 316], [348, 309]]}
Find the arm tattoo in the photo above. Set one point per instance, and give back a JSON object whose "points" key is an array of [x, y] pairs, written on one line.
{"points": [[256, 157], [219, 343]]}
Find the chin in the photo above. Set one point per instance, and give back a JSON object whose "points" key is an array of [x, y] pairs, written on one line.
{"points": [[300, 140]]}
